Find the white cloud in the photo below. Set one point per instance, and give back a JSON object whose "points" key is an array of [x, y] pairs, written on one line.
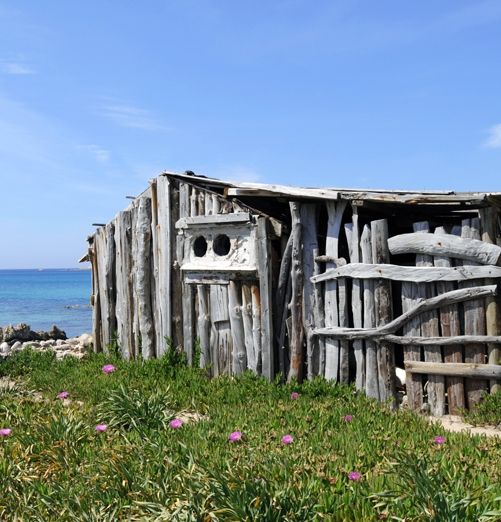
{"points": [[100, 155], [494, 139], [16, 68], [126, 115]]}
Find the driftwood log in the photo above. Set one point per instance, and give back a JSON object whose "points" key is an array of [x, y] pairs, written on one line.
{"points": [[384, 312], [469, 249], [369, 320]]}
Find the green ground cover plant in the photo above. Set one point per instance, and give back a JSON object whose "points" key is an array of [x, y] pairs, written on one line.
{"points": [[153, 440], [488, 411]]}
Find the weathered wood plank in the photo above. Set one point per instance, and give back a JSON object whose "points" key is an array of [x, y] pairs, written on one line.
{"points": [[213, 219], [163, 262], [335, 212], [155, 297], [143, 278], [450, 325], [265, 286], [383, 301], [455, 296], [430, 328], [133, 282], [187, 203], [369, 319], [123, 242], [221, 341], [447, 245], [247, 325], [95, 299], [204, 325], [177, 253], [438, 341], [412, 352], [297, 331], [356, 302], [489, 221], [282, 299], [474, 323], [239, 359], [312, 298], [469, 370], [257, 334], [414, 274]]}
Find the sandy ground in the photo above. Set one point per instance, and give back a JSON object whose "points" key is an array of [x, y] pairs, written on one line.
{"points": [[456, 424]]}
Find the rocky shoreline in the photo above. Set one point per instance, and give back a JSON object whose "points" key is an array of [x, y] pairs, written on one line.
{"points": [[16, 338]]}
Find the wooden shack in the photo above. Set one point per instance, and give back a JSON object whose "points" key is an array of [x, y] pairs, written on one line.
{"points": [[340, 283]]}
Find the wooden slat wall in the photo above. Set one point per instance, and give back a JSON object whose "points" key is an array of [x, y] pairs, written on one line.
{"points": [[140, 299]]}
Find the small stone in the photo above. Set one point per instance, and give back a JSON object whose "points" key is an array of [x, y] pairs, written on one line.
{"points": [[18, 345], [85, 339], [4, 348], [59, 342]]}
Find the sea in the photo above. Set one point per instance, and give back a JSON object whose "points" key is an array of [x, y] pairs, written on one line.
{"points": [[46, 297]]}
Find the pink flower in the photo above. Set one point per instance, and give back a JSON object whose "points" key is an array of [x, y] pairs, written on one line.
{"points": [[439, 440], [294, 396], [101, 428], [108, 368], [348, 418], [63, 395], [175, 424], [355, 476], [287, 439], [5, 432], [235, 436]]}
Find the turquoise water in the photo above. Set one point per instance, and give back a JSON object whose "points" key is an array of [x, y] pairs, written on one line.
{"points": [[42, 298]]}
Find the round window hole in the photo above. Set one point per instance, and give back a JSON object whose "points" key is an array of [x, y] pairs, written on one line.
{"points": [[222, 245], [200, 246]]}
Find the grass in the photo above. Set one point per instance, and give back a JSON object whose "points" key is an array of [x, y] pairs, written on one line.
{"points": [[488, 411], [54, 466]]}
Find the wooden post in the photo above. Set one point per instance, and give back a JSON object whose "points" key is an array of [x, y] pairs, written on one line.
{"points": [[105, 266], [384, 311], [247, 325], [474, 323], [221, 341], [429, 328], [335, 211], [297, 337], [123, 241], [282, 299], [356, 300], [239, 362], [369, 320], [96, 304], [164, 243], [264, 270], [312, 300], [257, 334], [489, 222], [155, 297], [176, 249], [186, 205], [450, 327], [143, 278], [204, 325]]}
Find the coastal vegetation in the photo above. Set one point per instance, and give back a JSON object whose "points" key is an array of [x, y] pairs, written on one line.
{"points": [[102, 439]]}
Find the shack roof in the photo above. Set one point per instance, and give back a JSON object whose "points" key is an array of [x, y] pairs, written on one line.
{"points": [[405, 197]]}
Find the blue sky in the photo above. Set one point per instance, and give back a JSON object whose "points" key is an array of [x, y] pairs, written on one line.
{"points": [[97, 97]]}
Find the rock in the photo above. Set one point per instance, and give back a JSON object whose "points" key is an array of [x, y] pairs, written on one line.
{"points": [[21, 332], [59, 342], [18, 345], [85, 340], [4, 348], [56, 333]]}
